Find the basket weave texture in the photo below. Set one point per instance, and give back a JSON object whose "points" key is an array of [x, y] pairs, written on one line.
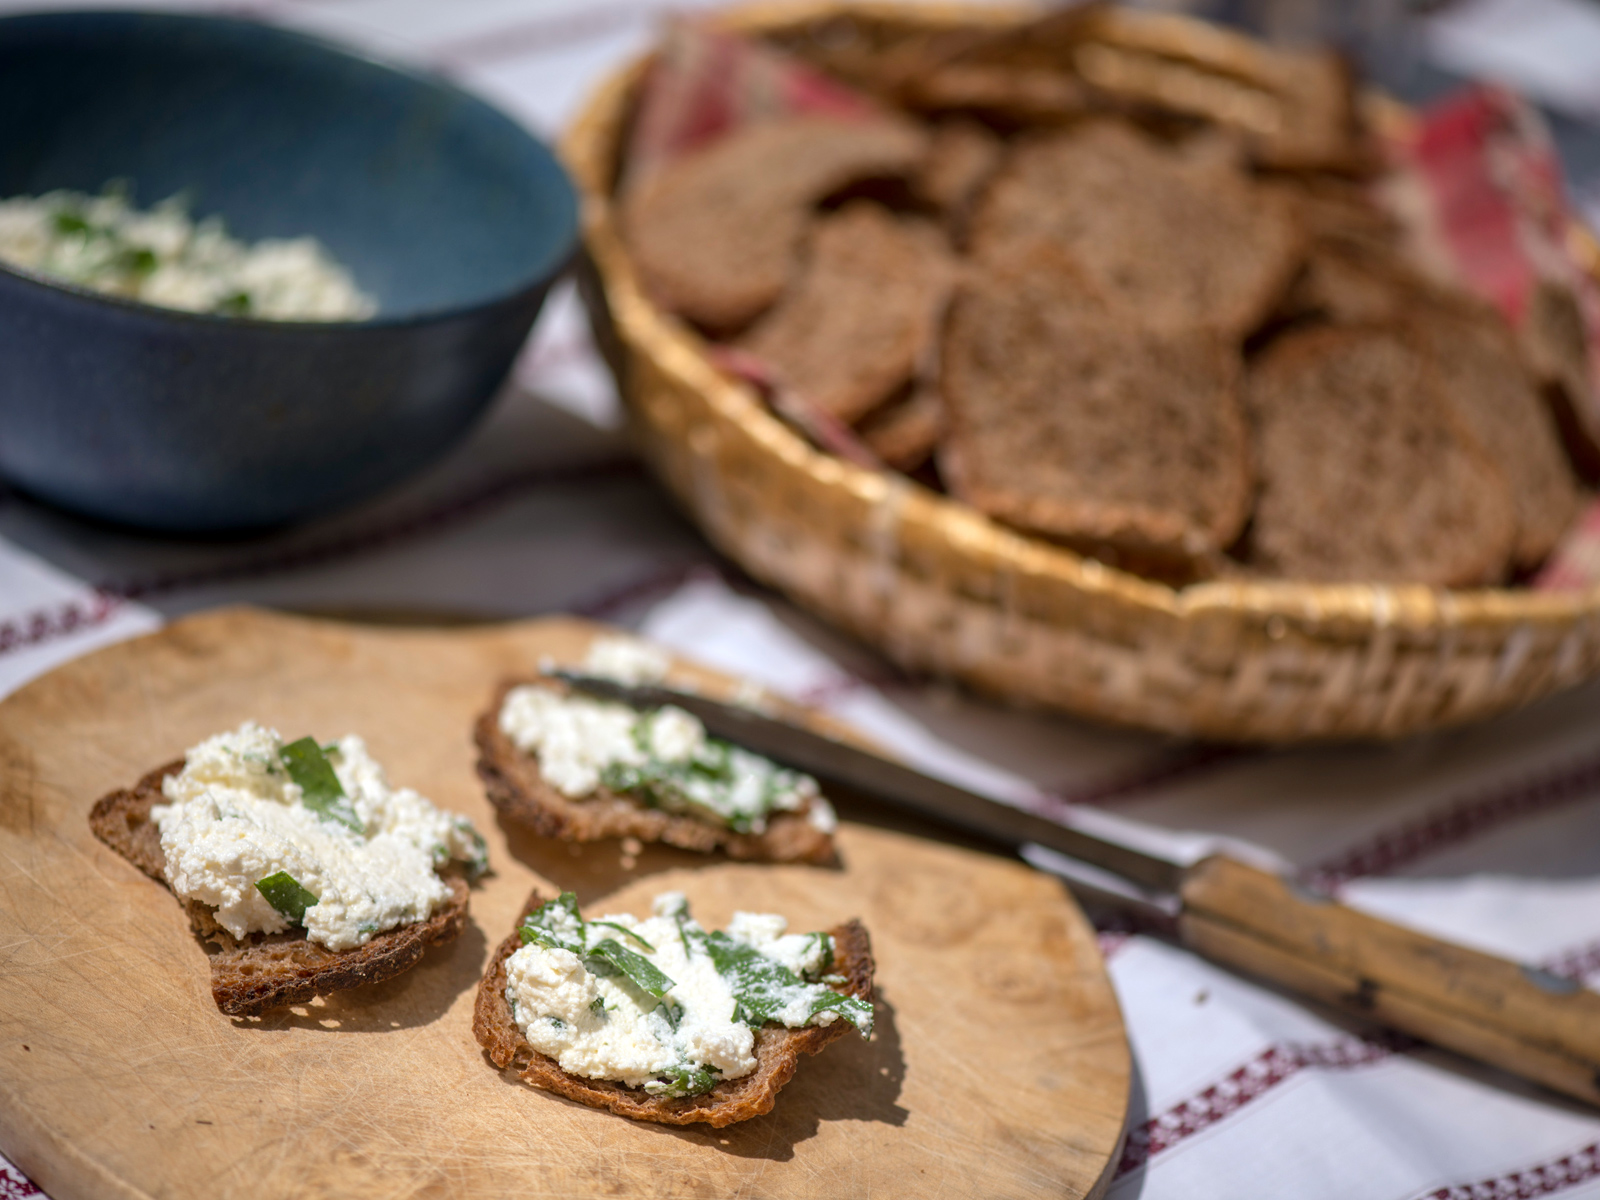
{"points": [[941, 588]]}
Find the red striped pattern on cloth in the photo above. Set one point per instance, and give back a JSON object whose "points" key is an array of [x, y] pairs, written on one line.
{"points": [[1461, 820], [58, 621], [1244, 1085], [14, 1185], [1542, 1179]]}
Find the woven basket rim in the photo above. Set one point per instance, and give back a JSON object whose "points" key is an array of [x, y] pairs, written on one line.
{"points": [[677, 349]]}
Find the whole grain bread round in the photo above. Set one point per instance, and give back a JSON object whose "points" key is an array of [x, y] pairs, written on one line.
{"points": [[520, 792], [777, 1049], [715, 235], [1171, 244], [264, 971], [860, 314], [1366, 474], [1068, 420]]}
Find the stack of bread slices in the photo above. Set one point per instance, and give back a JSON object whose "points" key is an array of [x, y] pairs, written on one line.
{"points": [[1126, 294]]}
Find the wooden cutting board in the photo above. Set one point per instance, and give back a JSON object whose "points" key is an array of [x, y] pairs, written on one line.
{"points": [[999, 1067]]}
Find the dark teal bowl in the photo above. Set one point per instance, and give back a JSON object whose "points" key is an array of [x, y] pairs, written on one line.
{"points": [[444, 209]]}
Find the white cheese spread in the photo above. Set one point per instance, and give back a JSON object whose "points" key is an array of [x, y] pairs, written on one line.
{"points": [[626, 660], [663, 757], [162, 257], [235, 817], [575, 1005]]}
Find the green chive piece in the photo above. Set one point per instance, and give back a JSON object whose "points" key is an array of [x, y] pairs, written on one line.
{"points": [[762, 988], [320, 788], [138, 260], [556, 925], [686, 1079], [644, 973], [626, 930], [284, 893], [68, 222], [236, 304]]}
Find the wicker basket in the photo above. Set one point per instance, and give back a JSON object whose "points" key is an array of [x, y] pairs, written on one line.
{"points": [[941, 588]]}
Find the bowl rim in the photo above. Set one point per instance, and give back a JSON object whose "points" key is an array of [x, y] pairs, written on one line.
{"points": [[554, 264]]}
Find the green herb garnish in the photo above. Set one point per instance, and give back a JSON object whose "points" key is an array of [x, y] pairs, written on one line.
{"points": [[478, 864], [236, 304], [686, 1079], [556, 925], [284, 893], [644, 973], [762, 987], [70, 222], [626, 930], [137, 260], [320, 789]]}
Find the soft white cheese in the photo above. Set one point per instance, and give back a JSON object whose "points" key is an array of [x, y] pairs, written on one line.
{"points": [[605, 1027], [626, 660], [235, 817], [162, 257], [577, 738]]}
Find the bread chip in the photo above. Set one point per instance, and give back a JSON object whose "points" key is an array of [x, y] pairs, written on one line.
{"points": [[905, 431], [1068, 420], [1365, 475], [862, 313], [715, 235], [777, 1049], [1173, 245], [961, 157], [523, 796], [1481, 374], [265, 971], [1297, 107]]}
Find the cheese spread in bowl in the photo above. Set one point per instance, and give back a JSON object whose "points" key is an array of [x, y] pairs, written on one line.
{"points": [[162, 257]]}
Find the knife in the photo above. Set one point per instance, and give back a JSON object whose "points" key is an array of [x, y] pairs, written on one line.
{"points": [[1519, 1018]]}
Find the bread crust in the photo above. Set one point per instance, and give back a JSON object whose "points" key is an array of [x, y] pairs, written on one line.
{"points": [[523, 796], [777, 1049], [265, 971]]}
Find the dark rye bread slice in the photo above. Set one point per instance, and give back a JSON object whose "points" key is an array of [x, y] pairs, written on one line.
{"points": [[1365, 473], [523, 796], [904, 432], [716, 234], [777, 1049], [1067, 419], [962, 155], [266, 971], [861, 313], [1481, 373], [1173, 244]]}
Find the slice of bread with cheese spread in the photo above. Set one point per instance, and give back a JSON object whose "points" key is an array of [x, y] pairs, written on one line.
{"points": [[256, 970], [577, 808], [775, 1047]]}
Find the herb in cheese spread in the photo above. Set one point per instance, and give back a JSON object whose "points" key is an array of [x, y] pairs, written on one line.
{"points": [[274, 836], [162, 257], [662, 1004], [663, 757]]}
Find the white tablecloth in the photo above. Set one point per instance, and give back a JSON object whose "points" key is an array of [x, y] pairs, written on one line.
{"points": [[1490, 836]]}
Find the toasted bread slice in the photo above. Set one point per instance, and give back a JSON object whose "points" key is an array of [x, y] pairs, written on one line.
{"points": [[716, 235], [851, 330], [1365, 472], [263, 970], [1068, 420], [1172, 244], [523, 796], [1297, 107], [1491, 390], [905, 431], [962, 156], [777, 1049]]}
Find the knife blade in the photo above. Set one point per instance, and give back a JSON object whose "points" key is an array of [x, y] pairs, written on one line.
{"points": [[1512, 1016]]}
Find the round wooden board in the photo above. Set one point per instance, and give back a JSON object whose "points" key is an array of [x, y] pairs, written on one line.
{"points": [[999, 1067]]}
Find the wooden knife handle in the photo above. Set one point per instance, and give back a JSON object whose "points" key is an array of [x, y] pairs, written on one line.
{"points": [[1517, 1018]]}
